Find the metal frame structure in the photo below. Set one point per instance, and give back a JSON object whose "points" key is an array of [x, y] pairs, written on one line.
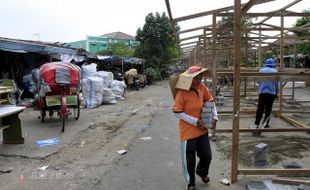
{"points": [[212, 39]]}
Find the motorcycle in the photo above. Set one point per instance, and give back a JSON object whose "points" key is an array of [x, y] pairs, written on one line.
{"points": [[136, 82]]}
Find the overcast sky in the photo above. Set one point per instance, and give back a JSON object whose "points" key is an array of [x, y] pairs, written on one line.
{"points": [[72, 20]]}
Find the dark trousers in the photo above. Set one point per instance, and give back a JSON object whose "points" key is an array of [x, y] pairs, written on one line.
{"points": [[201, 146], [265, 102]]}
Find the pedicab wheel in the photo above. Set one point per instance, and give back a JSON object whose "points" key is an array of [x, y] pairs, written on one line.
{"points": [[63, 121], [76, 112], [76, 109], [42, 112]]}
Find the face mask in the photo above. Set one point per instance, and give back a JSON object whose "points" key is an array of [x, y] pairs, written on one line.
{"points": [[195, 84]]}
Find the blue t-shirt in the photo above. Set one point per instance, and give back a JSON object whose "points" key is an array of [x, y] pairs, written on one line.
{"points": [[270, 87]]}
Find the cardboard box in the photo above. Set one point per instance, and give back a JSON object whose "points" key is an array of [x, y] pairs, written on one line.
{"points": [[183, 81], [172, 84]]}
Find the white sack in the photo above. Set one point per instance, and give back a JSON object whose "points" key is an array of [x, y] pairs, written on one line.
{"points": [[92, 91]]}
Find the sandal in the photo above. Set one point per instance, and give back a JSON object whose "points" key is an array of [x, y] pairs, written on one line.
{"points": [[190, 187], [206, 180]]}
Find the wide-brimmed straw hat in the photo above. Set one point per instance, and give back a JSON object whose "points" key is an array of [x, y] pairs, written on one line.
{"points": [[184, 80]]}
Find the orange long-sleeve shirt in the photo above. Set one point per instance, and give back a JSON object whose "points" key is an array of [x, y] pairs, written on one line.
{"points": [[191, 103]]}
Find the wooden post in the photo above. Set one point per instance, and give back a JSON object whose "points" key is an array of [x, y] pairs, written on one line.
{"points": [[260, 46], [194, 56], [246, 62], [205, 64], [236, 98], [281, 65], [294, 63], [214, 56], [293, 91]]}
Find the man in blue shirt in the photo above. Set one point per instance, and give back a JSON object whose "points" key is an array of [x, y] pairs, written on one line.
{"points": [[268, 90]]}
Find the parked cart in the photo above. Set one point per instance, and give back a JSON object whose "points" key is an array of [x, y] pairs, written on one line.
{"points": [[59, 90]]}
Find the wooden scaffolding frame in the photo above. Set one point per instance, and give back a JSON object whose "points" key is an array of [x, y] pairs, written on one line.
{"points": [[197, 53]]}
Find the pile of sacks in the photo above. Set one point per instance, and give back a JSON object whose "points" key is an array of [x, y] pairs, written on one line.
{"points": [[99, 87]]}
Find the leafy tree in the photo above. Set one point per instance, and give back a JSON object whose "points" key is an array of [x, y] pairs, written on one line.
{"points": [[119, 49], [158, 43], [303, 48]]}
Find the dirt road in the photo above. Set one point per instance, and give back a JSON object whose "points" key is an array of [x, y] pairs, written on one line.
{"points": [[144, 126]]}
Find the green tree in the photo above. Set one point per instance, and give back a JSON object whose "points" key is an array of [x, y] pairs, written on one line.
{"points": [[158, 43], [119, 49], [305, 47]]}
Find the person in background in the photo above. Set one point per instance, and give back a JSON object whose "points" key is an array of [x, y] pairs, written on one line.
{"points": [[268, 91], [193, 133]]}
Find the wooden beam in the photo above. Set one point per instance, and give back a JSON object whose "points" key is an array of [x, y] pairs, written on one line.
{"points": [[280, 99], [251, 3], [276, 130], [293, 121], [299, 172], [269, 14], [169, 9], [214, 56], [236, 92], [205, 62], [283, 8], [206, 13], [291, 182], [188, 38], [194, 29], [194, 42]]}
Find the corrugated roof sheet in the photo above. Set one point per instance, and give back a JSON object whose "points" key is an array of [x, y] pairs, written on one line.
{"points": [[24, 46]]}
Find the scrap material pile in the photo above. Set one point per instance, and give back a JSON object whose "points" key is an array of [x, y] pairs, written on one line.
{"points": [[99, 87]]}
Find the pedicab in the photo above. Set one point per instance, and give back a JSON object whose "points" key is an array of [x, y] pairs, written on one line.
{"points": [[59, 90]]}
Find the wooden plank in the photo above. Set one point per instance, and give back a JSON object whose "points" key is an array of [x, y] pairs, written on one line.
{"points": [[276, 130], [293, 121], [299, 172], [236, 98], [291, 182]]}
